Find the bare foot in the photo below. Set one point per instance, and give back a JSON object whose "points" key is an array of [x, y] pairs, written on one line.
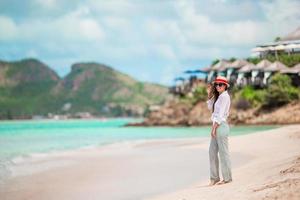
{"points": [[223, 182], [212, 182]]}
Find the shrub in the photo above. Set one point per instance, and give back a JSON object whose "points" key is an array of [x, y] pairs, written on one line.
{"points": [[280, 91], [248, 93], [243, 104], [200, 93], [254, 97]]}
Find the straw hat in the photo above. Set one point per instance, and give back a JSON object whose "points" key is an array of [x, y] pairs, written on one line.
{"points": [[221, 79]]}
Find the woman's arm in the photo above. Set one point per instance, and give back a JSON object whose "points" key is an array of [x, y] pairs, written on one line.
{"points": [[214, 130], [220, 109]]}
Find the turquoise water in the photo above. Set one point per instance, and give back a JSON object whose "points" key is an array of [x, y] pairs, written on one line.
{"points": [[23, 138]]}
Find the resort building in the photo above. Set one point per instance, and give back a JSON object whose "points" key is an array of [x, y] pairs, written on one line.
{"points": [[289, 44], [241, 72]]}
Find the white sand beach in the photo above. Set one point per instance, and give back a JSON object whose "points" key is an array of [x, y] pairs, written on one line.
{"points": [[266, 165], [272, 173]]}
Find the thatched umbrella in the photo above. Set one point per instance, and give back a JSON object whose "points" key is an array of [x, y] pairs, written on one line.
{"points": [[277, 66], [280, 47], [270, 48], [257, 70], [179, 79], [244, 70], [258, 49], [217, 68], [292, 70], [262, 64], [238, 63], [221, 65], [292, 47]]}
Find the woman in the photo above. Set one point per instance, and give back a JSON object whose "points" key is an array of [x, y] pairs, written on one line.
{"points": [[219, 103]]}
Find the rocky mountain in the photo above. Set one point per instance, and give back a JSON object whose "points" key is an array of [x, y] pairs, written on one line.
{"points": [[29, 87]]}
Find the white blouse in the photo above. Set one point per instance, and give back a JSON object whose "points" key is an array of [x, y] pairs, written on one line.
{"points": [[222, 106]]}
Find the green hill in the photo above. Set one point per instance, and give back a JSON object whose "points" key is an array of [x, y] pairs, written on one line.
{"points": [[29, 87]]}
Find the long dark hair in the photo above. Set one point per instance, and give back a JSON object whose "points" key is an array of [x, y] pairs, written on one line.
{"points": [[215, 95]]}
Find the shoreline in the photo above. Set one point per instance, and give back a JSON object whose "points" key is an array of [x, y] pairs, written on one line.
{"points": [[155, 169], [206, 124], [70, 151], [140, 124], [152, 166], [145, 125]]}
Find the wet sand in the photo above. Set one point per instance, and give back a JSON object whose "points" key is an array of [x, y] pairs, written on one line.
{"points": [[128, 170]]}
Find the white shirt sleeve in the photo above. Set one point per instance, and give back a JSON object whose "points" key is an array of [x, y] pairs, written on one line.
{"points": [[221, 106]]}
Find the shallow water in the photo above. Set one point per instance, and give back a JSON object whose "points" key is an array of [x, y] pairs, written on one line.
{"points": [[23, 139]]}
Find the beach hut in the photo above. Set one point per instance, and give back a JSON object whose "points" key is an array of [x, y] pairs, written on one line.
{"points": [[257, 73], [231, 71], [292, 70], [294, 73], [277, 66], [244, 74], [217, 69], [263, 64], [221, 67]]}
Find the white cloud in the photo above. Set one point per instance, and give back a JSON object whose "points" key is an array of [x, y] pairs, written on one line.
{"points": [[76, 26], [151, 34], [114, 8], [117, 23], [201, 29], [164, 31], [47, 3], [8, 28], [120, 28], [282, 16], [279, 11], [165, 51]]}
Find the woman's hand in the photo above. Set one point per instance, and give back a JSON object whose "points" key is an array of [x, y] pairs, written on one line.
{"points": [[214, 130], [213, 133]]}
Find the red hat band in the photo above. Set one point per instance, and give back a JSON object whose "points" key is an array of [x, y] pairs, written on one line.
{"points": [[221, 80]]}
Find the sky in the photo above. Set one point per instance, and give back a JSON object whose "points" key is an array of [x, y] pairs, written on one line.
{"points": [[150, 40]]}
